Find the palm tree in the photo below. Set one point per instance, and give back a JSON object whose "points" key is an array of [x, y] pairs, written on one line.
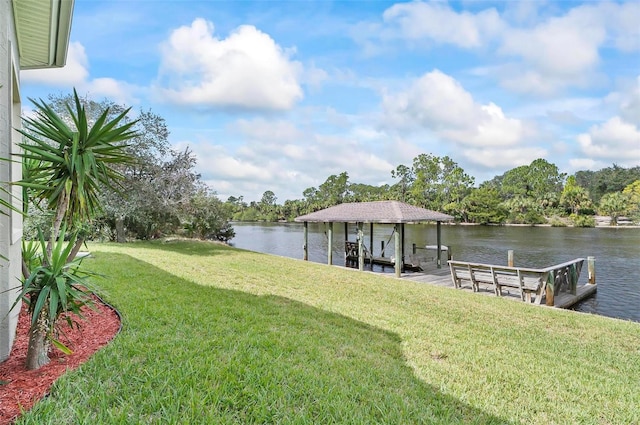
{"points": [[67, 164]]}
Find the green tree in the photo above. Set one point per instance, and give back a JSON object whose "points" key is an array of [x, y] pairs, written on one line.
{"points": [[607, 180], [632, 191], [524, 210], [268, 207], [574, 197], [614, 205], [536, 180], [208, 217], [334, 190], [406, 178], [438, 182], [68, 163], [483, 206]]}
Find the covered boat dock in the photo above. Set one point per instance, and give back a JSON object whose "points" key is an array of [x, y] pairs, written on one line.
{"points": [[377, 212]]}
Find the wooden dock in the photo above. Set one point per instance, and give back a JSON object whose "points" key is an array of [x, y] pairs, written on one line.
{"points": [[442, 277]]}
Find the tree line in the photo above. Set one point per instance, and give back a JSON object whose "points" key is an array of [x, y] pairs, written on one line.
{"points": [[537, 193], [164, 195]]}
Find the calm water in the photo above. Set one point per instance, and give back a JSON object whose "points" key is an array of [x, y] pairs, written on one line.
{"points": [[617, 252]]}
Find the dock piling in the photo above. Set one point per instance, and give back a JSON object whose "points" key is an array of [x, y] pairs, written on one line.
{"points": [[510, 258], [591, 267]]}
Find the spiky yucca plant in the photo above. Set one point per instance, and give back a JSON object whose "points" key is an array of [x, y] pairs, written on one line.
{"points": [[66, 164]]}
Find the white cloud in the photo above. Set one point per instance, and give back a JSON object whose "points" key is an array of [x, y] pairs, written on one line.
{"points": [[246, 70], [627, 101], [439, 23], [565, 51], [540, 54], [613, 141], [562, 46], [74, 73], [286, 157], [622, 21], [439, 103], [493, 158]]}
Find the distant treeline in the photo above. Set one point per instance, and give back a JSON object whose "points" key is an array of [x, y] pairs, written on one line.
{"points": [[530, 194]]}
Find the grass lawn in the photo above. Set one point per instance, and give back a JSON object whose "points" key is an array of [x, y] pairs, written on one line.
{"points": [[218, 335]]}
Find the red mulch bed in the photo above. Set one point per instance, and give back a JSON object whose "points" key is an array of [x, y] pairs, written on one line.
{"points": [[20, 389]]}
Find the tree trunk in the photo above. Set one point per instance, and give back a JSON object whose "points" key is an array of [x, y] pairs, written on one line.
{"points": [[38, 350], [120, 231], [75, 250], [63, 206]]}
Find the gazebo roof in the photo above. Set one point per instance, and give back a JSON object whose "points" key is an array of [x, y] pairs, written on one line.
{"points": [[374, 212]]}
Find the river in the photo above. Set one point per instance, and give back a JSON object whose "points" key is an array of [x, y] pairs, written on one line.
{"points": [[617, 252]]}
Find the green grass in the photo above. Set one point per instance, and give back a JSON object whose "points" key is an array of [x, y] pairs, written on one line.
{"points": [[218, 335]]}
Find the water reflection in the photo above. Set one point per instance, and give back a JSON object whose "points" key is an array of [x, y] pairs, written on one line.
{"points": [[617, 251]]}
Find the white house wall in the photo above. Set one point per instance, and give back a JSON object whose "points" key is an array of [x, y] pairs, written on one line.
{"points": [[10, 223]]}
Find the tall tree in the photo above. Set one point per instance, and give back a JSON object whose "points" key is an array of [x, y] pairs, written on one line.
{"points": [[406, 178], [68, 162], [607, 180], [574, 197], [614, 205], [438, 182], [334, 190], [483, 206]]}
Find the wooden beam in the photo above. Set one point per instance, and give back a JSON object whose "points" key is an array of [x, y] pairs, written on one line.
{"points": [[398, 241], [438, 244], [330, 244], [371, 239], [360, 248], [305, 245]]}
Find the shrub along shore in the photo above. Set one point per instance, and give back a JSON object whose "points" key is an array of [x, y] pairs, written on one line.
{"points": [[214, 334]]}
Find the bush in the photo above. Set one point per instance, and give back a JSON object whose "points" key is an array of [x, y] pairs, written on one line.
{"points": [[583, 220], [557, 221]]}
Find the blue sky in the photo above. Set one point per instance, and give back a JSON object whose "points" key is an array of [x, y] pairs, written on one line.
{"points": [[278, 96]]}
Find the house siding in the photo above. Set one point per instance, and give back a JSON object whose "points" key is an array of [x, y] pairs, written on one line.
{"points": [[11, 223]]}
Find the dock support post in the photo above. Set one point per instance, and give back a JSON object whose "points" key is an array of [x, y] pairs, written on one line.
{"points": [[360, 250], [330, 244], [371, 245], [510, 258], [591, 266], [382, 249], [398, 239], [549, 296], [371, 238], [305, 245], [439, 245]]}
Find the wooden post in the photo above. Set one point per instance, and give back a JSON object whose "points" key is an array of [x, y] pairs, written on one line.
{"points": [[371, 239], [382, 249], [402, 246], [438, 245], [591, 266], [398, 263], [510, 258], [551, 280], [360, 250], [330, 244], [305, 245], [413, 249]]}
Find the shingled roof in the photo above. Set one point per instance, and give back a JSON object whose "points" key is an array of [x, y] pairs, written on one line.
{"points": [[374, 212]]}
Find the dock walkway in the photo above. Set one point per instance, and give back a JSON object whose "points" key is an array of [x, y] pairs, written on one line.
{"points": [[442, 277]]}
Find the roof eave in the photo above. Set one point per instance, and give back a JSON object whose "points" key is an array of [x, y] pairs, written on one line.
{"points": [[43, 43]]}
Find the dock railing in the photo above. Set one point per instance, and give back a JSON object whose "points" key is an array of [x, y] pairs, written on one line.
{"points": [[531, 282], [563, 278]]}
